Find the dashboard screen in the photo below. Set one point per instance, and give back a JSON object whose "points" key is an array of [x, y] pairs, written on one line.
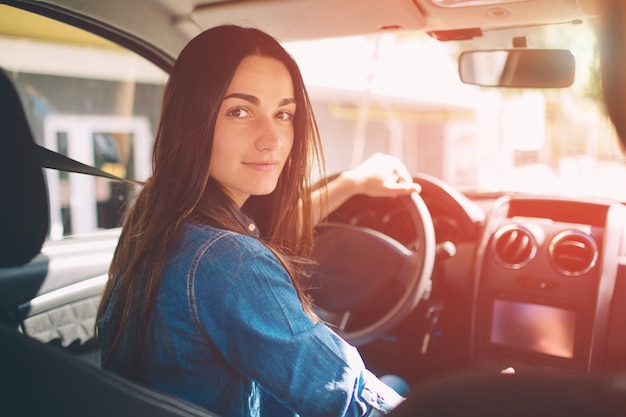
{"points": [[534, 327]]}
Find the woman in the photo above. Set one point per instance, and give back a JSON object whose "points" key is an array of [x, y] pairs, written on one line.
{"points": [[206, 303]]}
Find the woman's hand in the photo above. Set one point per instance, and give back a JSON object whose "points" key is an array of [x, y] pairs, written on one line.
{"points": [[379, 176]]}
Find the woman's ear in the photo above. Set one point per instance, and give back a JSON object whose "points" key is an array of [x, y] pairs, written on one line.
{"points": [[612, 39]]}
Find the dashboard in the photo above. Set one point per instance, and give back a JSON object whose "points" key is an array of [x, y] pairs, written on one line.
{"points": [[528, 282], [545, 283]]}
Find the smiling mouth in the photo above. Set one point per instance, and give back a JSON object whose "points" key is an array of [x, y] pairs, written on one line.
{"points": [[262, 165]]}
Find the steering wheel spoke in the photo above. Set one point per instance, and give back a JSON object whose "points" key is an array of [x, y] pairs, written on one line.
{"points": [[362, 271], [337, 320]]}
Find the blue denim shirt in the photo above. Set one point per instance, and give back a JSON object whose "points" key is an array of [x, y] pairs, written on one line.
{"points": [[228, 332]]}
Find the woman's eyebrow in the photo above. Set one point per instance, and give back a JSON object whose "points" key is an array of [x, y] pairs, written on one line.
{"points": [[286, 101], [255, 100], [247, 97]]}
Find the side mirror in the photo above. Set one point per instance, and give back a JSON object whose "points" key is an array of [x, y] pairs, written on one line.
{"points": [[518, 68]]}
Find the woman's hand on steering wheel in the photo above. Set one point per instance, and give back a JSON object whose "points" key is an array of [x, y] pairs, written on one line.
{"points": [[380, 175]]}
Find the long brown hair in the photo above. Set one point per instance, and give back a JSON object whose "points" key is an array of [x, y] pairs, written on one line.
{"points": [[180, 188]]}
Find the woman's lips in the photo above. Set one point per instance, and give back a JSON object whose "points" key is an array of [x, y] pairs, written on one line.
{"points": [[262, 165]]}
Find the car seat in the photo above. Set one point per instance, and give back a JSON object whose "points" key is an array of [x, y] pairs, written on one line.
{"points": [[24, 209], [38, 379]]}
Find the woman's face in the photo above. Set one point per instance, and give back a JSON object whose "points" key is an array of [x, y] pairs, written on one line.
{"points": [[254, 129]]}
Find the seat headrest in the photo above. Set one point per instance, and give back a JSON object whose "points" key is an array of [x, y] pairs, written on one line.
{"points": [[24, 210]]}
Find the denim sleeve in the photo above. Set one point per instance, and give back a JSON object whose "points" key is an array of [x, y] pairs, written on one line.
{"points": [[250, 311]]}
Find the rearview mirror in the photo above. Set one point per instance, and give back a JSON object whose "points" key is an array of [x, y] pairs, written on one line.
{"points": [[519, 68]]}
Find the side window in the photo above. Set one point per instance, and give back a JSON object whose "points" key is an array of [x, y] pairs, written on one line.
{"points": [[89, 99]]}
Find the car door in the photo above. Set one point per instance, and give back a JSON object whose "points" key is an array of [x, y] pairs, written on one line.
{"points": [[97, 103]]}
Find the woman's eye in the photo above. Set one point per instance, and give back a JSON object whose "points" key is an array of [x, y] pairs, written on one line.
{"points": [[238, 113], [284, 116]]}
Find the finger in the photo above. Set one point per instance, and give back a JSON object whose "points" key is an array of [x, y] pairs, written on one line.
{"points": [[403, 173], [401, 188]]}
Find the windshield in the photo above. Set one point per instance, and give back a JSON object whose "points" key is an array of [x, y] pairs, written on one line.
{"points": [[400, 93], [397, 93]]}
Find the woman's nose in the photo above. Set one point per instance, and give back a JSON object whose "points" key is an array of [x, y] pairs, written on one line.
{"points": [[269, 137]]}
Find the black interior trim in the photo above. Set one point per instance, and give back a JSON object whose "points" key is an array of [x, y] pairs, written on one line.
{"points": [[42, 380]]}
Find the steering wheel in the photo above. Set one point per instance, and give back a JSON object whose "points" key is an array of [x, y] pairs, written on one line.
{"points": [[367, 281]]}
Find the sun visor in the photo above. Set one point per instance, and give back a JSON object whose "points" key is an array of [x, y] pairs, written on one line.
{"points": [[292, 20]]}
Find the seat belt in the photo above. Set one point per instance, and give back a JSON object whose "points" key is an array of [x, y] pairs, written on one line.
{"points": [[54, 160]]}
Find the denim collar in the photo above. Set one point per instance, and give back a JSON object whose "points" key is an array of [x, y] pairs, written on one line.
{"points": [[250, 225]]}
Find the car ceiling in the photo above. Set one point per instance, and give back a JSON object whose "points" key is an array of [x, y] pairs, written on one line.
{"points": [[167, 25]]}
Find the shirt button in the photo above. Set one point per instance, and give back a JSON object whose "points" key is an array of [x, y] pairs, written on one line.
{"points": [[252, 227]]}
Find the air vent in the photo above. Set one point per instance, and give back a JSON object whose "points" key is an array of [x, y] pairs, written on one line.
{"points": [[573, 252], [514, 246]]}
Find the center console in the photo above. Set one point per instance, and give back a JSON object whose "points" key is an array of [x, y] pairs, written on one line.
{"points": [[544, 284]]}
